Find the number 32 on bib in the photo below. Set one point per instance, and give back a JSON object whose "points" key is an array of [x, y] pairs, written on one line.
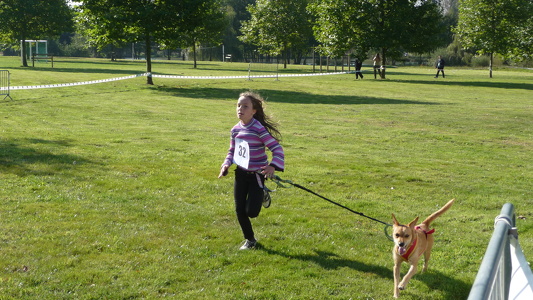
{"points": [[241, 156]]}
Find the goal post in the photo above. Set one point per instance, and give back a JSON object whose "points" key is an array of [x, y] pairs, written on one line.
{"points": [[264, 68], [35, 48]]}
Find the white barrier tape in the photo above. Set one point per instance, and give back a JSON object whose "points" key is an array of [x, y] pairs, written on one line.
{"points": [[247, 76], [47, 86]]}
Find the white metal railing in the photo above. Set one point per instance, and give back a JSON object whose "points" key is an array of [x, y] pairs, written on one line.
{"points": [[496, 278]]}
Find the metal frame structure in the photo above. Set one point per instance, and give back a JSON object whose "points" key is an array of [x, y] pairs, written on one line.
{"points": [[4, 84]]}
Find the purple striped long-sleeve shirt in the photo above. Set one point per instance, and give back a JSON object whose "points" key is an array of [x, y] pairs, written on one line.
{"points": [[253, 153]]}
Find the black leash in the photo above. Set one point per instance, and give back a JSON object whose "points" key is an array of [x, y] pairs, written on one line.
{"points": [[279, 182]]}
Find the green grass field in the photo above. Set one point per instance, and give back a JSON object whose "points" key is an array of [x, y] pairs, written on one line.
{"points": [[110, 191]]}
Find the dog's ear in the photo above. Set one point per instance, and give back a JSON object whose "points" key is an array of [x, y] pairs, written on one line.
{"points": [[394, 220], [413, 223]]}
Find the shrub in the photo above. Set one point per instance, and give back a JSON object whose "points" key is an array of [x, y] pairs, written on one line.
{"points": [[484, 61]]}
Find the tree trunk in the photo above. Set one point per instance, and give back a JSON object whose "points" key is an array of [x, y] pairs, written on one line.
{"points": [[148, 50], [194, 53], [381, 19], [23, 59], [284, 51], [490, 64], [383, 63]]}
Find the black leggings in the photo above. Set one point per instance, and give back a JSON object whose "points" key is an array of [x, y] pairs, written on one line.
{"points": [[248, 199], [377, 70]]}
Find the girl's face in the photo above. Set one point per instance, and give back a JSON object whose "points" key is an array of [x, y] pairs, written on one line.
{"points": [[245, 110]]}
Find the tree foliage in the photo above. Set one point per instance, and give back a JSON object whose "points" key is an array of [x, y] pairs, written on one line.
{"points": [[390, 26], [33, 19], [342, 25], [523, 49], [204, 23], [496, 26], [277, 25], [236, 13], [164, 21]]}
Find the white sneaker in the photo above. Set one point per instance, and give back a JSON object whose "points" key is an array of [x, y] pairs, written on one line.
{"points": [[248, 244]]}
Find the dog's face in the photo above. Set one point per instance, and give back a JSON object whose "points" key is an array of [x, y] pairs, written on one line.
{"points": [[403, 235]]}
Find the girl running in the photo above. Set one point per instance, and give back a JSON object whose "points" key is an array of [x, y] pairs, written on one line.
{"points": [[249, 137]]}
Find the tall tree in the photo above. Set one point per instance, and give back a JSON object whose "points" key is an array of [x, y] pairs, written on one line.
{"points": [[391, 26], [205, 24], [342, 25], [276, 26], [237, 13], [495, 26], [118, 22], [33, 19]]}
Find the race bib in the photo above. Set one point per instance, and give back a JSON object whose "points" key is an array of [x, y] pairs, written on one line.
{"points": [[242, 153]]}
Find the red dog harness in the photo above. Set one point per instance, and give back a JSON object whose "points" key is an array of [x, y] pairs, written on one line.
{"points": [[407, 254]]}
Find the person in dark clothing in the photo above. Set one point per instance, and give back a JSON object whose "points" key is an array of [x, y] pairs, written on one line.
{"points": [[358, 65], [440, 67]]}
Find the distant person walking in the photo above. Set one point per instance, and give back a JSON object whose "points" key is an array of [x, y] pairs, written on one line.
{"points": [[440, 67], [249, 139], [358, 65], [377, 65]]}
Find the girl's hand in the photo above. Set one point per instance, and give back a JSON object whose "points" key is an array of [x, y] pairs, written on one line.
{"points": [[223, 171], [268, 171]]}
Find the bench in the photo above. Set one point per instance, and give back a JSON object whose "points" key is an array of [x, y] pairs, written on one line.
{"points": [[46, 57]]}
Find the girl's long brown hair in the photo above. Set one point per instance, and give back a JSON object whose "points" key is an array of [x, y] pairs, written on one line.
{"points": [[265, 120]]}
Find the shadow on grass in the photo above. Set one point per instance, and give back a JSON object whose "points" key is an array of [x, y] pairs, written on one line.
{"points": [[283, 96], [484, 84], [454, 289], [31, 157]]}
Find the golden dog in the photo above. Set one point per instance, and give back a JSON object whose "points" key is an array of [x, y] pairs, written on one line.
{"points": [[410, 242]]}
